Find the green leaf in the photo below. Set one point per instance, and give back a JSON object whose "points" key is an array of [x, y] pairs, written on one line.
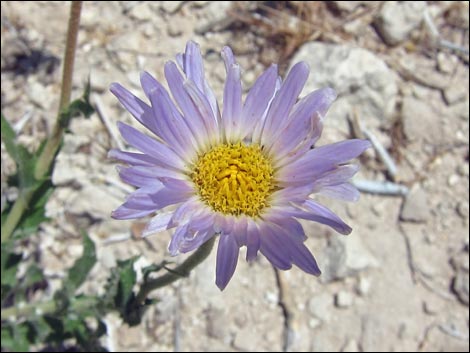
{"points": [[127, 278], [55, 328], [35, 214], [80, 269], [33, 276], [110, 291], [118, 291], [24, 160], [9, 266], [42, 329], [80, 106], [24, 179], [9, 263], [17, 337], [8, 137], [72, 325]]}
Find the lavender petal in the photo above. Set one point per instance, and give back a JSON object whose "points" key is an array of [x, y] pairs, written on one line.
{"points": [[160, 152], [139, 109], [272, 246], [227, 258], [253, 241], [284, 101]]}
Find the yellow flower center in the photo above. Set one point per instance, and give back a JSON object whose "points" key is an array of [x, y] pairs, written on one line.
{"points": [[234, 179]]}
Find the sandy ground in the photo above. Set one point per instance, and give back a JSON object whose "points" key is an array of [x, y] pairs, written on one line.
{"points": [[399, 282]]}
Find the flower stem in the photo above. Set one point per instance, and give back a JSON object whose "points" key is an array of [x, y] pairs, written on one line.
{"points": [[50, 149], [84, 303], [44, 162], [14, 217], [182, 270]]}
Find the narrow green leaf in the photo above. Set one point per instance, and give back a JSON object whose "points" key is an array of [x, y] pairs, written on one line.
{"points": [[80, 106], [32, 276], [42, 329], [108, 300], [35, 214], [7, 337], [17, 337], [23, 159], [80, 269], [9, 266], [87, 338], [55, 328], [127, 278], [8, 137]]}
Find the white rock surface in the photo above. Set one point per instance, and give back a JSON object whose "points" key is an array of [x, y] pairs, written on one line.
{"points": [[362, 80], [398, 18], [344, 257], [416, 206], [344, 299]]}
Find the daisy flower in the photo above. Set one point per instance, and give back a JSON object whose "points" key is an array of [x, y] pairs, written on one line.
{"points": [[247, 173]]}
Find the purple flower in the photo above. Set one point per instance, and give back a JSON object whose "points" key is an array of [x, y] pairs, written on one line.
{"points": [[247, 173]]}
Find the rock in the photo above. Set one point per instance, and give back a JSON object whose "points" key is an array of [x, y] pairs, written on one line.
{"points": [[398, 18], [460, 262], [130, 337], [414, 111], [314, 323], [446, 62], [461, 110], [363, 286], [149, 31], [432, 306], [165, 308], [142, 12], [351, 346], [453, 180], [455, 93], [100, 81], [215, 12], [463, 169], [463, 209], [247, 339], [40, 95], [346, 6], [357, 27], [171, 6], [320, 306], [372, 333], [460, 286], [89, 18], [271, 297], [324, 342], [134, 78], [416, 206], [199, 4], [94, 200], [344, 299], [216, 323], [70, 169], [445, 337], [174, 28], [344, 257], [362, 80], [126, 46]]}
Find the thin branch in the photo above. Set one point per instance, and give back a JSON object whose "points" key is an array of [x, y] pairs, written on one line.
{"points": [[182, 270], [47, 156]]}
